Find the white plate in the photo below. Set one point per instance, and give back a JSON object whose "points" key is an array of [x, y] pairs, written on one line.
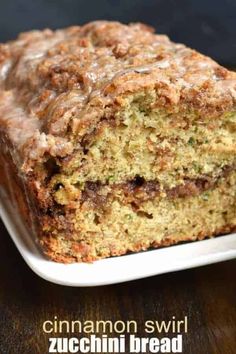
{"points": [[116, 269]]}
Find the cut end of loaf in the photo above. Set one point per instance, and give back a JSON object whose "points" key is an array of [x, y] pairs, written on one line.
{"points": [[146, 179], [117, 139], [127, 223]]}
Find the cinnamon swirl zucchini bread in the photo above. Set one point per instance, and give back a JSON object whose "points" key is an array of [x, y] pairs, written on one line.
{"points": [[115, 139]]}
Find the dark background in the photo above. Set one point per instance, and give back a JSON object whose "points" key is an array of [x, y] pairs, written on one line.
{"points": [[209, 26]]}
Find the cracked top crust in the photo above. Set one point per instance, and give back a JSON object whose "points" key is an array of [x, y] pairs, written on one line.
{"points": [[57, 85]]}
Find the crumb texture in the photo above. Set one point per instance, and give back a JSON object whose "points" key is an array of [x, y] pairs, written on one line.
{"points": [[58, 83], [116, 139]]}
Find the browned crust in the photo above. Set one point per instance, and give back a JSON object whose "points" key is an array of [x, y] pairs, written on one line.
{"points": [[64, 82], [20, 195], [49, 242], [56, 86]]}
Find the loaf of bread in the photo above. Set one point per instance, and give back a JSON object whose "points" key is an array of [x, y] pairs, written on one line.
{"points": [[115, 139]]}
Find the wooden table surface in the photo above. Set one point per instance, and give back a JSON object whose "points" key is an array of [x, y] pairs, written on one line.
{"points": [[206, 295]]}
